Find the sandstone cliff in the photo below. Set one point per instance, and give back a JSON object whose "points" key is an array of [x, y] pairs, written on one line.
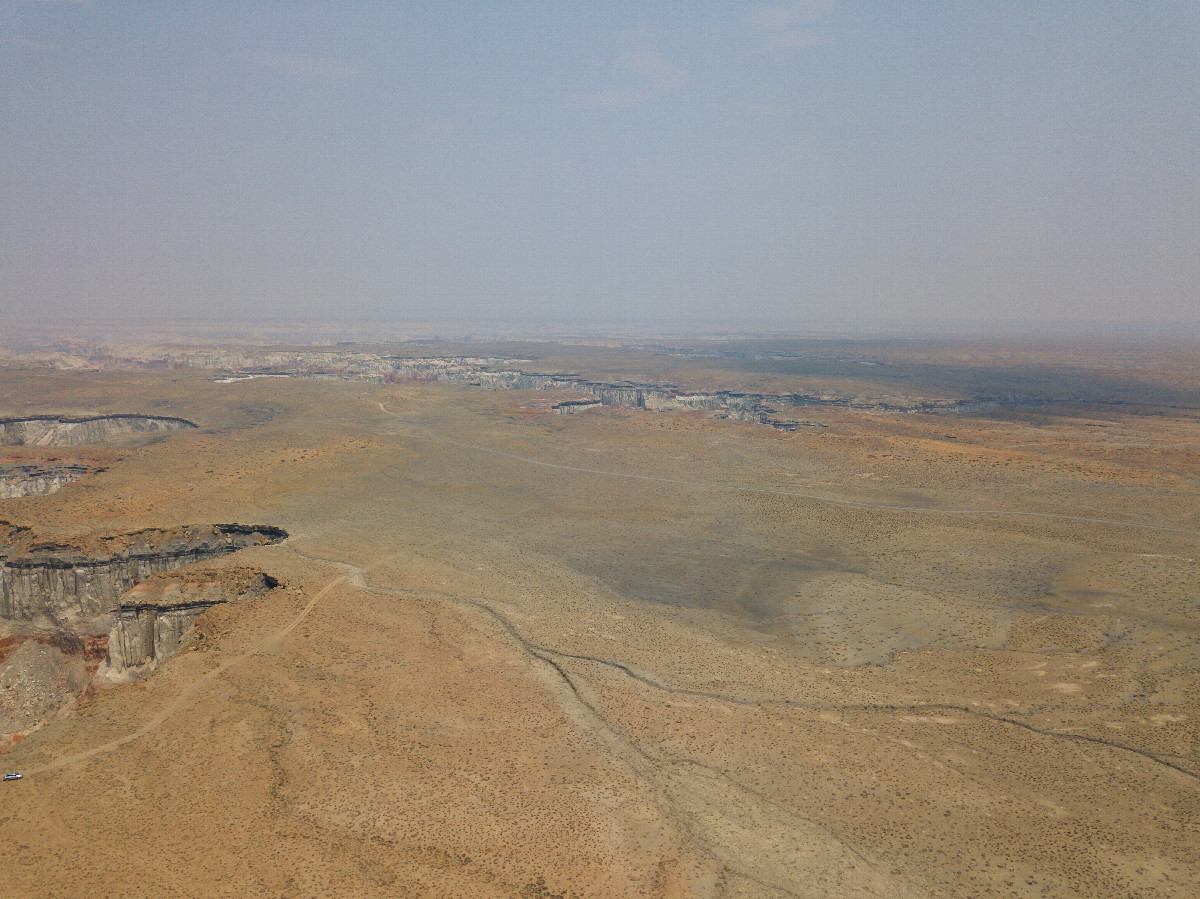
{"points": [[60, 584], [46, 671], [37, 479], [154, 616], [50, 430]]}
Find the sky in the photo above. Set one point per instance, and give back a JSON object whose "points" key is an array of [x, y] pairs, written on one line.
{"points": [[795, 166]]}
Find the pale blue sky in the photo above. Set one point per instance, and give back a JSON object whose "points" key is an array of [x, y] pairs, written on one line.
{"points": [[793, 165]]}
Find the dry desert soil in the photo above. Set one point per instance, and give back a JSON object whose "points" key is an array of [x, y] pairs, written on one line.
{"points": [[640, 653]]}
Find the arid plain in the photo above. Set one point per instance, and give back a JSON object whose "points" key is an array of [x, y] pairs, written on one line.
{"points": [[881, 651]]}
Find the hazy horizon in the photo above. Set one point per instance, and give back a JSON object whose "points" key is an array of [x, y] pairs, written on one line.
{"points": [[801, 168], [41, 333]]}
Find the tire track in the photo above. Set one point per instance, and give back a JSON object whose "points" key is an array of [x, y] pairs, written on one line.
{"points": [[353, 576], [549, 655], [674, 794]]}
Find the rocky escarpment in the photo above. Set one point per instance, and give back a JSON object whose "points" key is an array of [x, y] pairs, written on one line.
{"points": [[62, 583], [51, 430], [783, 411], [38, 479], [46, 671], [902, 387], [777, 410], [154, 616]]}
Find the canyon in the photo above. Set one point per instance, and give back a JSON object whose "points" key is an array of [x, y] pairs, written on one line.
{"points": [[651, 649], [783, 411], [46, 670]]}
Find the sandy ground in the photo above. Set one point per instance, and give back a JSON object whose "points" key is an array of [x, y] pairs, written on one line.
{"points": [[625, 653]]}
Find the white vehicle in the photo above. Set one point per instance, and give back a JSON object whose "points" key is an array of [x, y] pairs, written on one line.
{"points": [[13, 775]]}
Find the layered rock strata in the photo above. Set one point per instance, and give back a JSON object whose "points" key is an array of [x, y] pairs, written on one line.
{"points": [[763, 408], [779, 410], [493, 374], [58, 583], [154, 617], [46, 671], [37, 480], [52, 430]]}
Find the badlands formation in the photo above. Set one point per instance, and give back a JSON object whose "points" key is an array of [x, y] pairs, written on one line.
{"points": [[803, 619]]}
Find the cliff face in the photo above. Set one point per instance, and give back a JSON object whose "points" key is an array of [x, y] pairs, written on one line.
{"points": [[37, 480], [49, 430], [153, 617], [782, 411], [61, 584], [146, 635], [45, 671], [765, 408]]}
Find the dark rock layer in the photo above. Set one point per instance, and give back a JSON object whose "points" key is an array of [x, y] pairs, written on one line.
{"points": [[60, 583], [38, 479]]}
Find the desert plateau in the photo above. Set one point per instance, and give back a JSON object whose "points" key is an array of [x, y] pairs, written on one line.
{"points": [[757, 618]]}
